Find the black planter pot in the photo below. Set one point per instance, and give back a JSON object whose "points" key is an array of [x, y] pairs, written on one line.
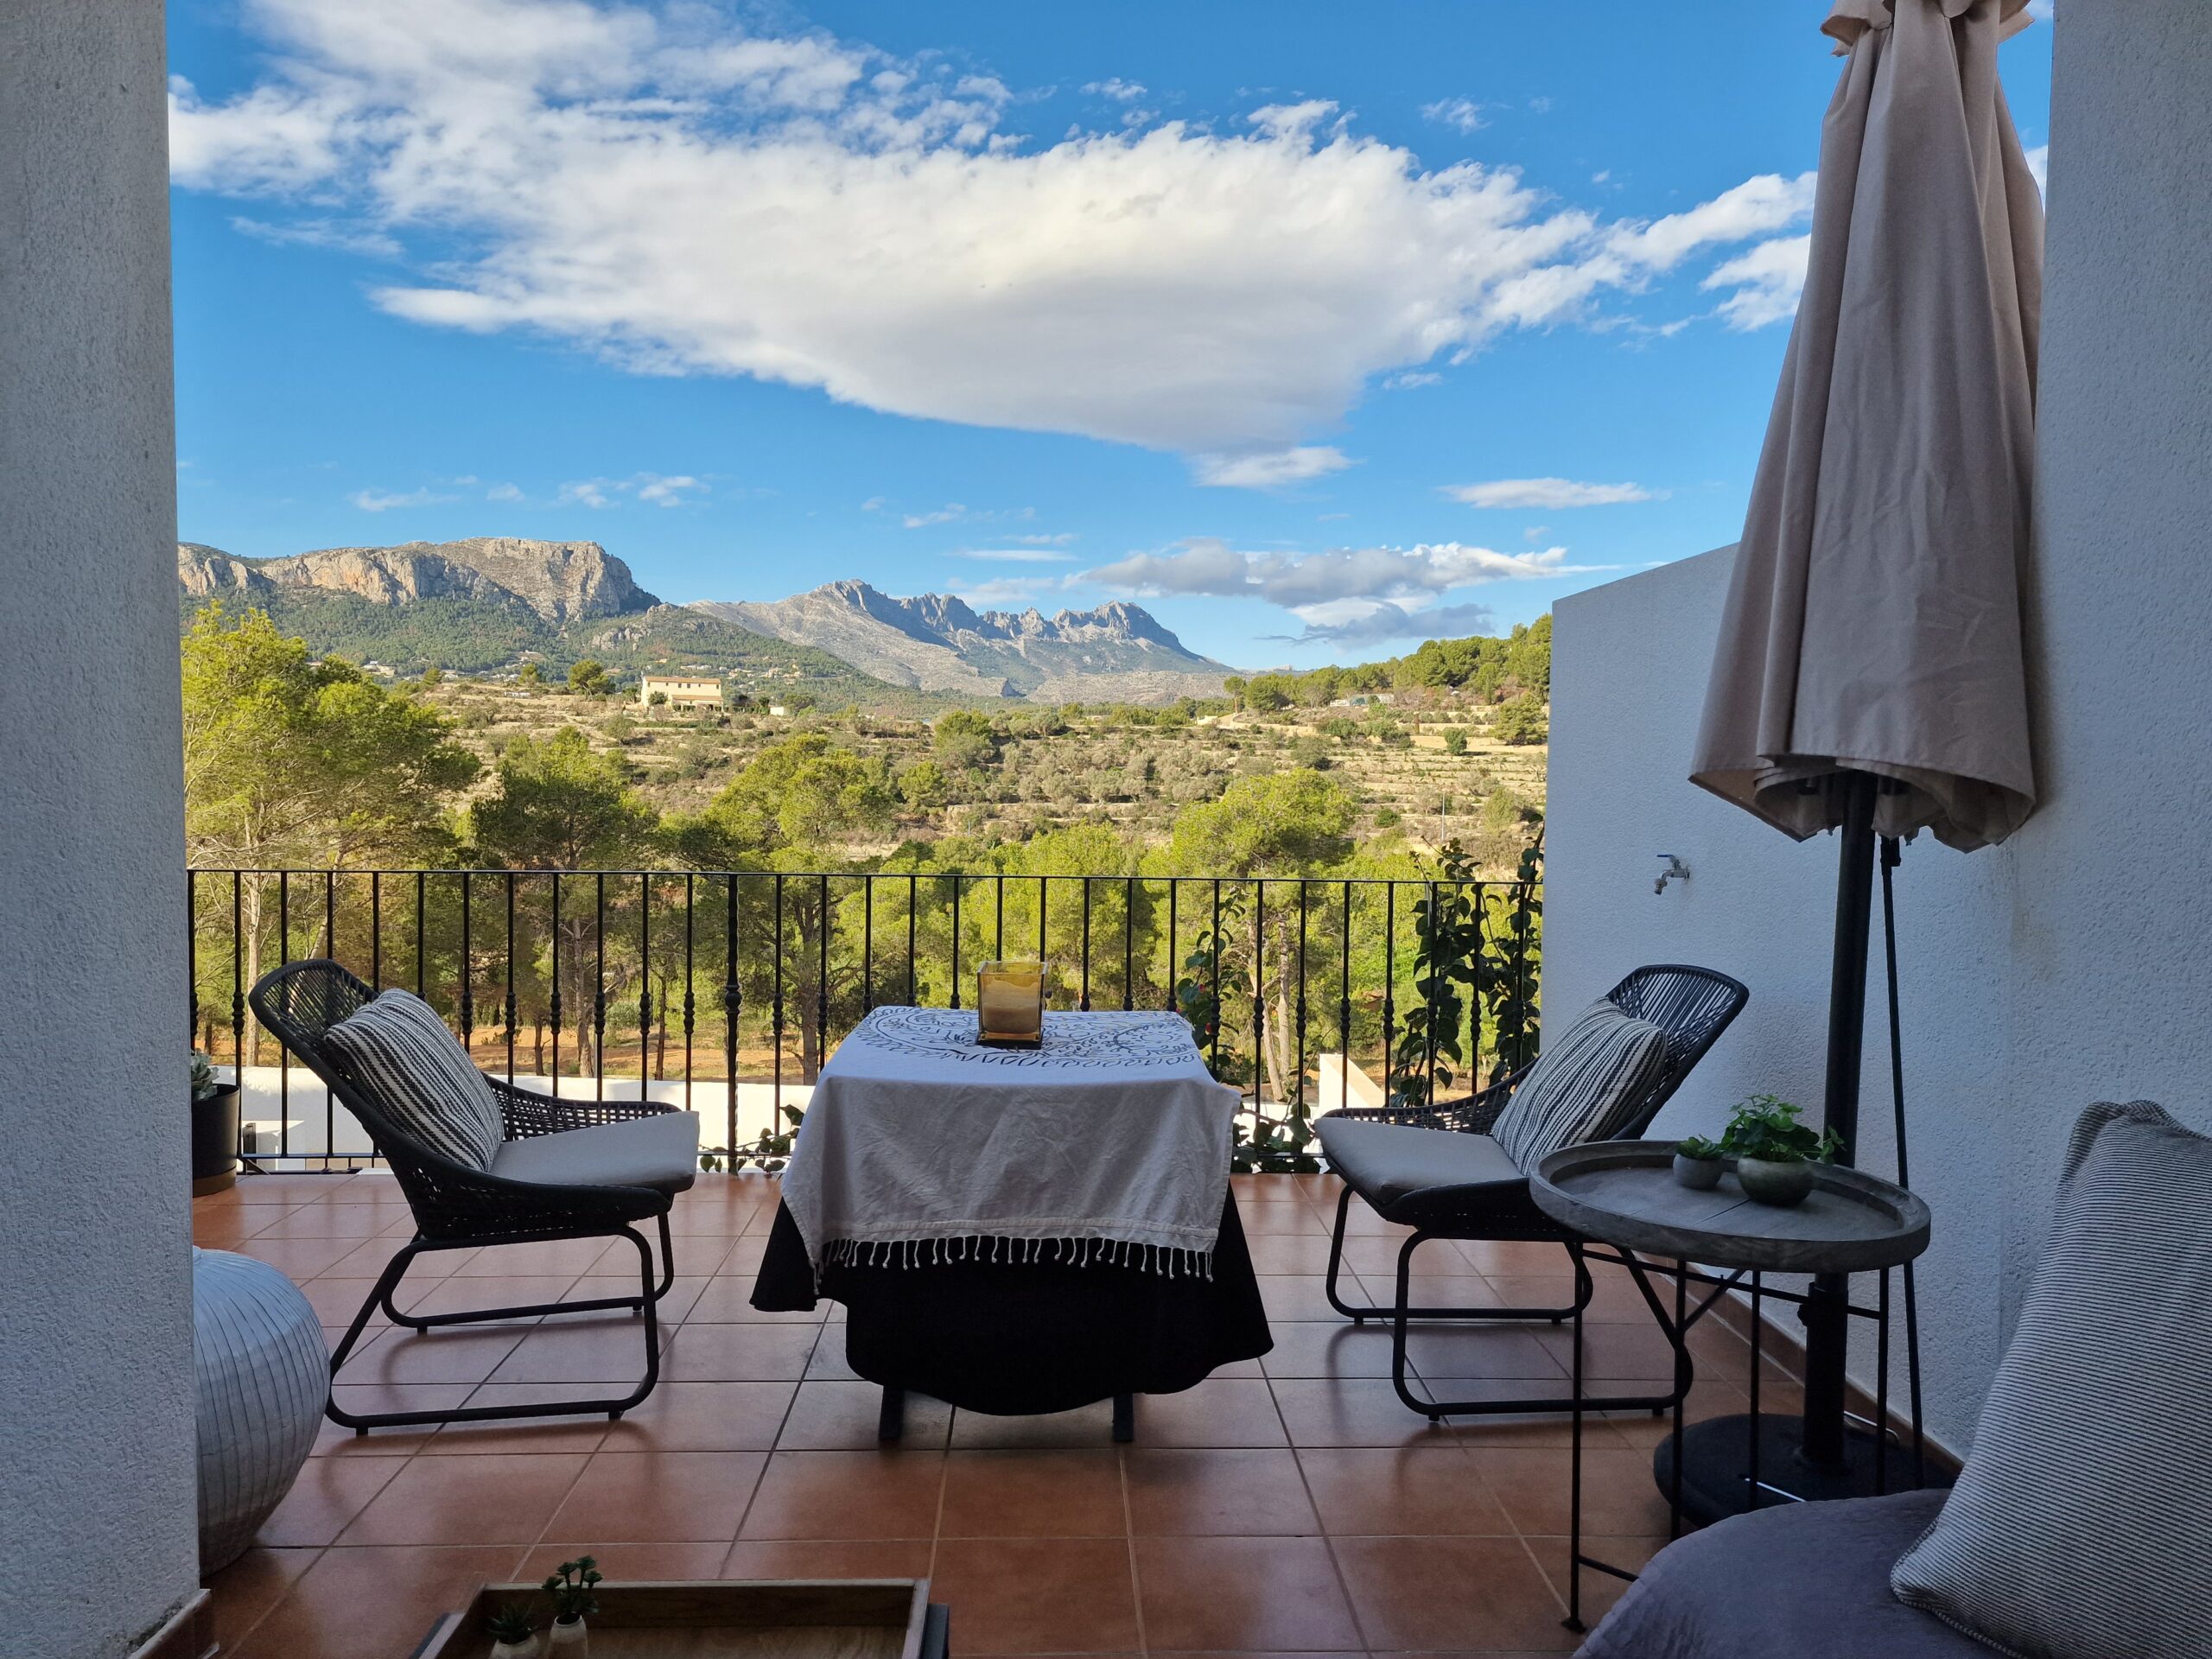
{"points": [[215, 1138]]}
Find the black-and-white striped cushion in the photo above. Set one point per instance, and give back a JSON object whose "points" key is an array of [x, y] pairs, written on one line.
{"points": [[2078, 1526], [1584, 1085], [417, 1071]]}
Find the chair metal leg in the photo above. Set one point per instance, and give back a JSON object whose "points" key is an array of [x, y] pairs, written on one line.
{"points": [[1125, 1419], [1437, 1410], [1336, 1260], [890, 1415], [381, 1295], [1360, 1316], [655, 1291]]}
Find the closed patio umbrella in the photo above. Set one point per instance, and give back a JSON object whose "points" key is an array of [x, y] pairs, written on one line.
{"points": [[1870, 673]]}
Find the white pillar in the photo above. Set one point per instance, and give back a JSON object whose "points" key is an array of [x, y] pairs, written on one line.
{"points": [[96, 1497]]}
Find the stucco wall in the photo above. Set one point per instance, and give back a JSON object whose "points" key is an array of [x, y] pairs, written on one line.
{"points": [[2073, 963], [97, 1504]]}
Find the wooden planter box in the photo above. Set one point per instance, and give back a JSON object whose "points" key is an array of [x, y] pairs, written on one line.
{"points": [[792, 1618]]}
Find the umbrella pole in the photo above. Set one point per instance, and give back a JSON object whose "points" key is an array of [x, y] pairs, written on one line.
{"points": [[1825, 1333]]}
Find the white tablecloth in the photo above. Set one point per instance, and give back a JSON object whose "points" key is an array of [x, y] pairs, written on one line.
{"points": [[1111, 1142]]}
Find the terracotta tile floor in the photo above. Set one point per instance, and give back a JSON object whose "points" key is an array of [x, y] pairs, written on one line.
{"points": [[1288, 1505]]}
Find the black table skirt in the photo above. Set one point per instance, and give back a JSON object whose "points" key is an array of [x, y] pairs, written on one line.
{"points": [[1010, 1338]]}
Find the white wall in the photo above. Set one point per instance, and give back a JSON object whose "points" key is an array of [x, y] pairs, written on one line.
{"points": [[96, 1497], [2075, 962]]}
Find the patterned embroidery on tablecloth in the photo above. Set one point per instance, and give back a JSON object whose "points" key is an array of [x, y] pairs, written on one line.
{"points": [[950, 1034]]}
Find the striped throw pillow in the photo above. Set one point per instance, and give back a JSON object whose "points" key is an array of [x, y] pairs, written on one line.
{"points": [[410, 1064], [2078, 1525], [1584, 1086]]}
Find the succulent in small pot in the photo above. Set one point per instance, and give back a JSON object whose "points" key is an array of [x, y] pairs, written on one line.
{"points": [[513, 1636], [1774, 1153], [1697, 1162], [571, 1589], [214, 1125]]}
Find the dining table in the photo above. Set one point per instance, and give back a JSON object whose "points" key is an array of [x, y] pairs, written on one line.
{"points": [[1019, 1230]]}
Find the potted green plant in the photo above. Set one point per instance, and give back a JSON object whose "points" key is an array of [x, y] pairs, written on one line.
{"points": [[571, 1589], [1697, 1162], [1774, 1153], [214, 1128], [513, 1636]]}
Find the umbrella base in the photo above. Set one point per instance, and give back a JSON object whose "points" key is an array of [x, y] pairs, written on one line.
{"points": [[1716, 1468]]}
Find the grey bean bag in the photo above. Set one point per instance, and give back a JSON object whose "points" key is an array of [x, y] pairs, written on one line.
{"points": [[1804, 1581]]}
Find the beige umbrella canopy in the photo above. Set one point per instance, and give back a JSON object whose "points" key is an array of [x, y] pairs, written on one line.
{"points": [[1873, 621]]}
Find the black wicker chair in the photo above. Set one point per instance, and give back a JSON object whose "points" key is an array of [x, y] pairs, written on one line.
{"points": [[1460, 1185], [457, 1207]]}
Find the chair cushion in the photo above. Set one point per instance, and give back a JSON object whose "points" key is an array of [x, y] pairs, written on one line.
{"points": [[661, 1152], [1415, 1176], [411, 1065], [1584, 1086], [2077, 1526], [1799, 1581]]}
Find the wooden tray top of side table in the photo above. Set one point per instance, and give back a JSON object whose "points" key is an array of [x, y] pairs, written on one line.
{"points": [[1623, 1192]]}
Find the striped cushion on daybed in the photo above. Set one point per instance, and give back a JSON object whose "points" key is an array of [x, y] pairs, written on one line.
{"points": [[1584, 1086], [411, 1065], [2080, 1524]]}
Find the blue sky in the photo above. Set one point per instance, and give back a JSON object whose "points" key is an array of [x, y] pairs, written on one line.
{"points": [[1316, 329]]}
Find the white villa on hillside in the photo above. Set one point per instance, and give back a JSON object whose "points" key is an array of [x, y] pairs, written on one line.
{"points": [[680, 690]]}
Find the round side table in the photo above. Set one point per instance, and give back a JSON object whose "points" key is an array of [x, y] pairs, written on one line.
{"points": [[1621, 1202]]}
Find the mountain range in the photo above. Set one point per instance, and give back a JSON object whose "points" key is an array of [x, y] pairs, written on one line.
{"points": [[489, 601]]}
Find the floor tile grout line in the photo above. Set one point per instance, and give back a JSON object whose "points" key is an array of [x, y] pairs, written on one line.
{"points": [[1321, 1526], [1129, 1547]]}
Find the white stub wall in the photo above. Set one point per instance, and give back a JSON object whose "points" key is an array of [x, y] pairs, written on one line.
{"points": [[97, 1496], [2075, 962]]}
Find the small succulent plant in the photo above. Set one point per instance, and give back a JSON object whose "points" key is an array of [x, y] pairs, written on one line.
{"points": [[571, 1588]]}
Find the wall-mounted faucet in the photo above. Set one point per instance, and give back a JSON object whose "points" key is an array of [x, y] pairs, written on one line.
{"points": [[1675, 871]]}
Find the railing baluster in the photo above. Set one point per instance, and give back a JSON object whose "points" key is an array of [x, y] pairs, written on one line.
{"points": [[421, 949], [644, 983], [1174, 885], [913, 889], [732, 1003], [1390, 984], [1084, 1004], [956, 942], [465, 1002], [868, 943], [510, 1009], [998, 933], [1129, 942], [822, 983], [1214, 992], [689, 972], [237, 990], [284, 1053], [1042, 900], [1343, 1004], [1298, 1060], [192, 957], [376, 929], [1259, 999], [598, 987], [554, 1001], [776, 949], [1429, 994]]}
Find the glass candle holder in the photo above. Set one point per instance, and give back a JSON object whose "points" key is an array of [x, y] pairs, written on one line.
{"points": [[1010, 1004]]}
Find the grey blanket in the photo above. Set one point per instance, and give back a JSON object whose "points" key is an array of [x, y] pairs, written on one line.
{"points": [[1806, 1581]]}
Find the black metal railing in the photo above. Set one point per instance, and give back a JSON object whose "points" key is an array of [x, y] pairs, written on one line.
{"points": [[678, 983]]}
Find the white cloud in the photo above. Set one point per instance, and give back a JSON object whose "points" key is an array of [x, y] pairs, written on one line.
{"points": [[385, 500], [2040, 164], [665, 492], [503, 493], [1015, 555], [1022, 591], [1351, 595], [1462, 114], [952, 512], [1545, 494], [1270, 469], [1122, 92], [1407, 379], [1368, 624], [1055, 538], [320, 233], [685, 197], [661, 489], [1767, 278]]}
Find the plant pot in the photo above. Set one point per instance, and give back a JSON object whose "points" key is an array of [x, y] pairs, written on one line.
{"points": [[525, 1649], [567, 1639], [215, 1136], [1697, 1174], [1766, 1181]]}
